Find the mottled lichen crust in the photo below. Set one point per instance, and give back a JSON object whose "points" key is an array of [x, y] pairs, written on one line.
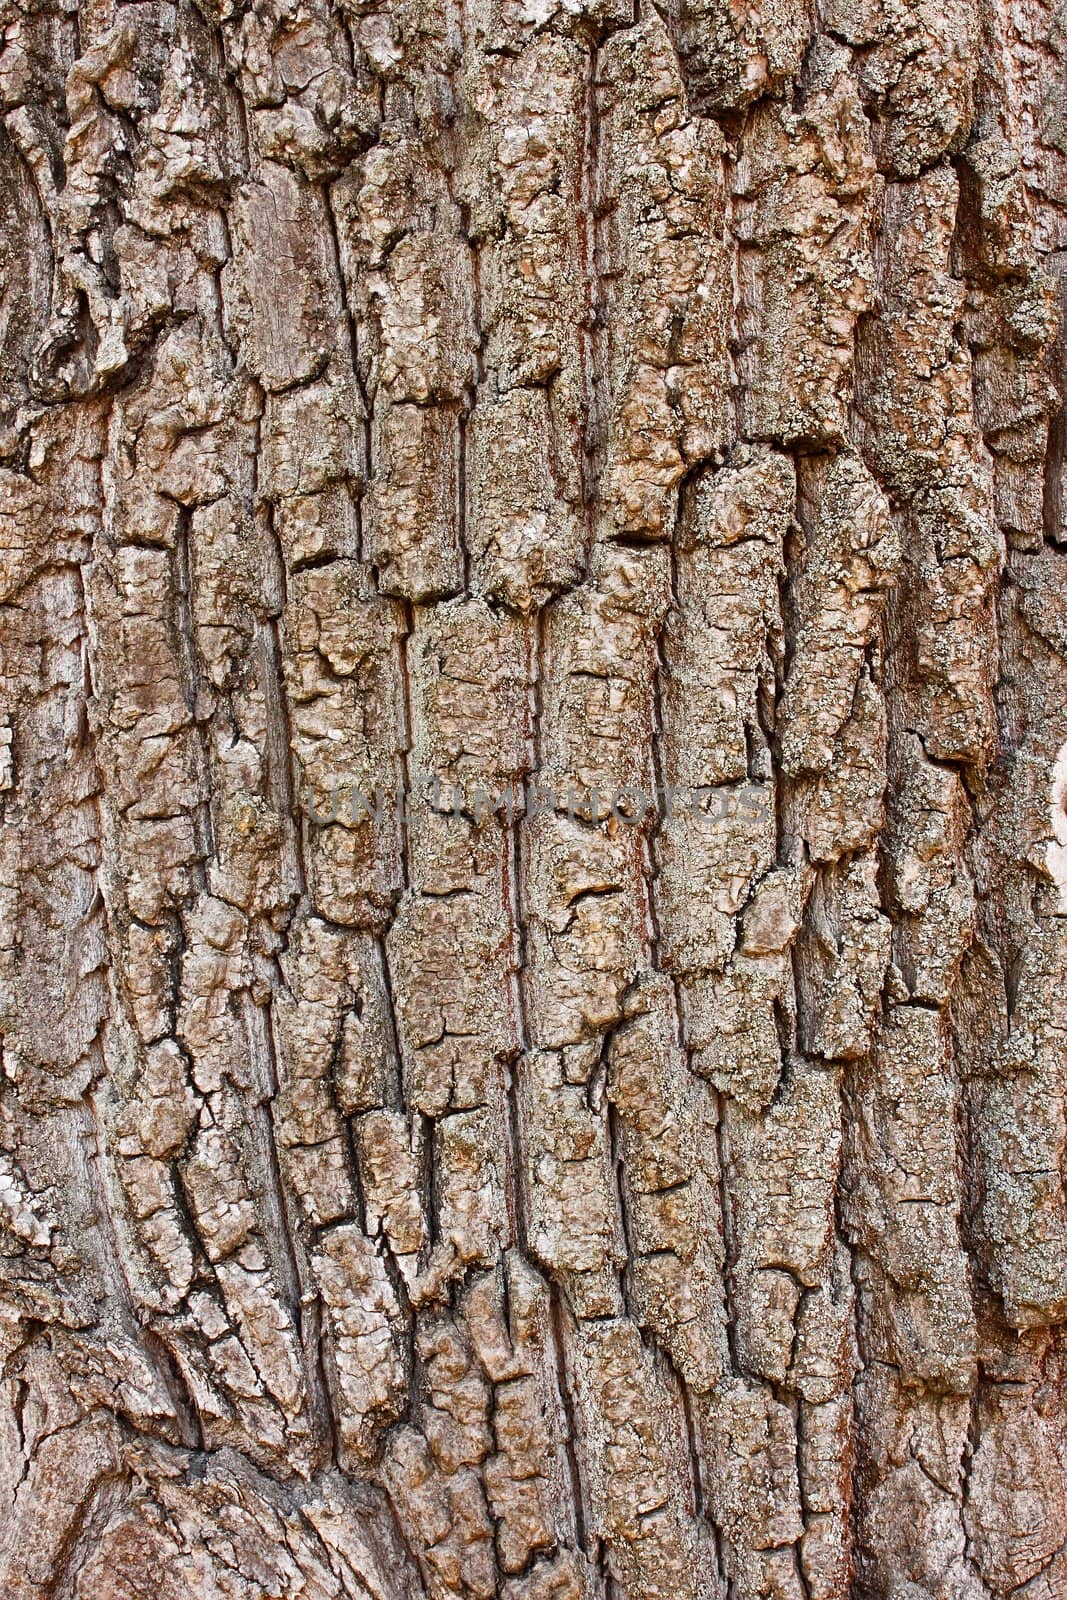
{"points": [[411, 1194]]}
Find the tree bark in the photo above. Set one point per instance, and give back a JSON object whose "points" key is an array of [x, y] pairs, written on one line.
{"points": [[533, 879]]}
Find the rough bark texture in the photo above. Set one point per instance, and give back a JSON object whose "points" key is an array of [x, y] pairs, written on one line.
{"points": [[540, 1206]]}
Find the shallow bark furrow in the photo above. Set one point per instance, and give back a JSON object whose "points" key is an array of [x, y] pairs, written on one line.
{"points": [[533, 623]]}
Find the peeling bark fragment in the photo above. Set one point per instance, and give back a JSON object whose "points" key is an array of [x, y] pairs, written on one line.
{"points": [[723, 635], [781, 1174], [452, 1036], [639, 1493], [754, 1492], [803, 187], [411, 509], [916, 71], [524, 536], [282, 301], [732, 55], [600, 662], [585, 927], [907, 1206], [664, 278], [347, 737], [670, 1190], [365, 1348], [849, 557]]}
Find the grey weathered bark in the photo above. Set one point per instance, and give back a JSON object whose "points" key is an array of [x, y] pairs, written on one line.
{"points": [[466, 1203]]}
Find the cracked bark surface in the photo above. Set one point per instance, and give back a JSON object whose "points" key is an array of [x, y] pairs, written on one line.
{"points": [[465, 1203]]}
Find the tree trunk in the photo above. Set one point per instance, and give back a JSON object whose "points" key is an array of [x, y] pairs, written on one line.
{"points": [[533, 927]]}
